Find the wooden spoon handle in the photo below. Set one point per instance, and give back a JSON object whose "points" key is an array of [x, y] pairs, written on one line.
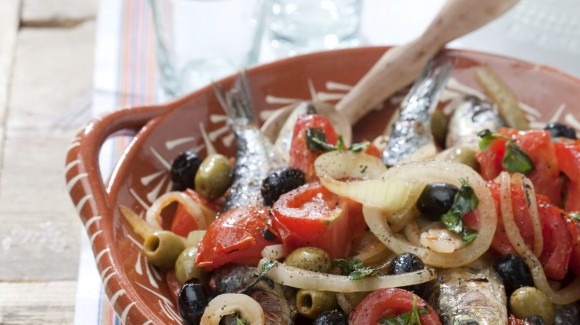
{"points": [[401, 65]]}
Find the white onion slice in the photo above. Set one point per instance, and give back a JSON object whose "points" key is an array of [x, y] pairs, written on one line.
{"points": [[201, 215], [436, 171], [231, 303], [303, 279], [569, 294], [273, 252], [370, 187], [530, 195]]}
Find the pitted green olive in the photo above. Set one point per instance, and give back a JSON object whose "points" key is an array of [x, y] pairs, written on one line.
{"points": [[185, 268], [162, 248], [310, 303], [529, 301], [309, 258], [213, 177]]}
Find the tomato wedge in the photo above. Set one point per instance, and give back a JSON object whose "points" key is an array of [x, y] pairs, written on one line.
{"points": [[301, 156], [557, 248], [237, 236], [574, 230], [538, 145], [183, 223], [311, 215], [568, 155], [388, 303]]}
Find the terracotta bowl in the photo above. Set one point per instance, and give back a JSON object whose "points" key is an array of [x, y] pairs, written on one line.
{"points": [[137, 291]]}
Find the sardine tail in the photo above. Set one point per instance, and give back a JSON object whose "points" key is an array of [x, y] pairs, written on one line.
{"points": [[237, 102]]}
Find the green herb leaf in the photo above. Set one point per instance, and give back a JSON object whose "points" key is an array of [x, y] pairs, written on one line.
{"points": [[240, 321], [408, 318], [316, 141], [354, 268], [464, 202], [574, 215], [358, 147], [487, 137], [516, 160], [265, 268]]}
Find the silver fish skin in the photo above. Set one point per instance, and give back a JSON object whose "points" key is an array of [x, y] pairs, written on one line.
{"points": [[412, 130], [255, 155], [468, 296], [470, 115], [277, 301]]}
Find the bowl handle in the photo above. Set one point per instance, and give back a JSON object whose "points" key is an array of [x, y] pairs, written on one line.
{"points": [[83, 175]]}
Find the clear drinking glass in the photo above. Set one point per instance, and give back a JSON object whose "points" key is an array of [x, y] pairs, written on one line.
{"points": [[299, 26], [198, 41]]}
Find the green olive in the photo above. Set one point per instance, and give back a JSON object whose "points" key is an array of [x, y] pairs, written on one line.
{"points": [[213, 176], [185, 268], [464, 155], [439, 124], [163, 247], [309, 258], [310, 303], [529, 301]]}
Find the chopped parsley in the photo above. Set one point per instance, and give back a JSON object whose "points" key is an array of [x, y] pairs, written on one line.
{"points": [[464, 202], [515, 159], [240, 321], [408, 318], [265, 268], [354, 268], [316, 141]]}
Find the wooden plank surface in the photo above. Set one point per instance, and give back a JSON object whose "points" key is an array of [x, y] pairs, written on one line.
{"points": [[46, 65], [38, 303], [9, 11]]}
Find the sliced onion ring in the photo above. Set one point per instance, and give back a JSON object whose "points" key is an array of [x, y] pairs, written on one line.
{"points": [[309, 280], [231, 303], [199, 213], [437, 171], [336, 169]]}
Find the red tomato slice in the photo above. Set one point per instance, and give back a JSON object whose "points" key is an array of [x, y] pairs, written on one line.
{"points": [[538, 145], [557, 248], [237, 236], [522, 218], [388, 303], [490, 160], [568, 155], [372, 150], [574, 230], [311, 215], [183, 223], [300, 156]]}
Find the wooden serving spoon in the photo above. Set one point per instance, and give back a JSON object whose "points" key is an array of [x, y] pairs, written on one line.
{"points": [[401, 65]]}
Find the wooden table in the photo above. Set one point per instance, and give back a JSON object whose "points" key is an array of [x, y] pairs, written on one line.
{"points": [[46, 65]]}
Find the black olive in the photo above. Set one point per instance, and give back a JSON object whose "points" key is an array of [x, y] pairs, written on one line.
{"points": [[192, 300], [535, 320], [331, 317], [514, 272], [280, 181], [406, 263], [557, 129], [436, 199], [183, 170]]}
